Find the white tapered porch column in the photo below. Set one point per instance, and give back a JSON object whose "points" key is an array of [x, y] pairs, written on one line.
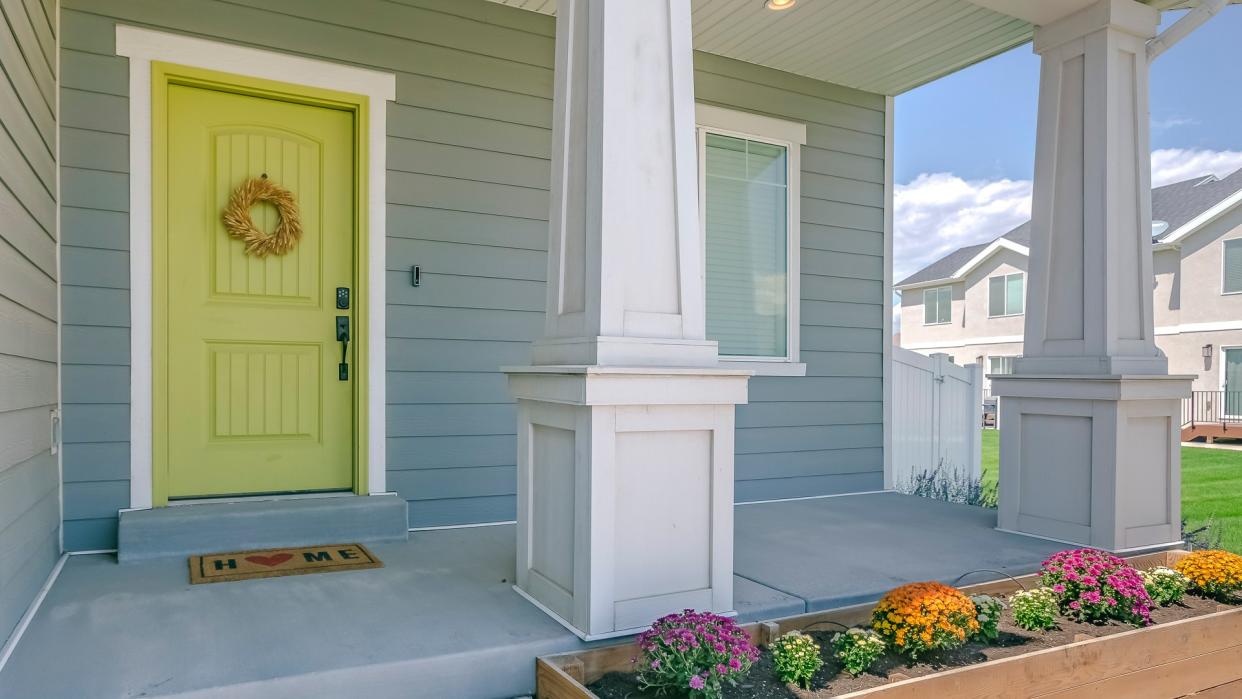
{"points": [[1090, 418], [625, 425]]}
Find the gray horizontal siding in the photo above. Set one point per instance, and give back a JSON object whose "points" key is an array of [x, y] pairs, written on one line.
{"points": [[29, 481], [469, 139], [820, 434]]}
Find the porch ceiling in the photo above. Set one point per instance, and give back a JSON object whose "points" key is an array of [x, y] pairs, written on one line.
{"points": [[881, 46]]}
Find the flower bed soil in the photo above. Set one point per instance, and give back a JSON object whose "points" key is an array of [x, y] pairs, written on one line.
{"points": [[830, 681], [1193, 647]]}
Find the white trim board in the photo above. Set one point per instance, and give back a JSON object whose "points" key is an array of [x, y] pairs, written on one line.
{"points": [[142, 46], [886, 382], [970, 342], [6, 651], [1216, 326]]}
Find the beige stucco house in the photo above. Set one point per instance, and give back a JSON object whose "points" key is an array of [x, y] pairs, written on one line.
{"points": [[971, 303]]}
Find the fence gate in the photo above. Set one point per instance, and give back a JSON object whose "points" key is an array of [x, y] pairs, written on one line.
{"points": [[937, 416]]}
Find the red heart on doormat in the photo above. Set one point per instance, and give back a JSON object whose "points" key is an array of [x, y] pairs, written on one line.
{"points": [[270, 561]]}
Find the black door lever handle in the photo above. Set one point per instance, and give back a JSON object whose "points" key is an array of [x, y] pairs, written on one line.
{"points": [[342, 336]]}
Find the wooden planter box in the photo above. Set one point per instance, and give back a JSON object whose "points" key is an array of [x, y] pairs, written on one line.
{"points": [[1202, 654]]}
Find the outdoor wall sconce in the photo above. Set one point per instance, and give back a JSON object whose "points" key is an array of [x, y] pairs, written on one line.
{"points": [[780, 4], [1207, 351]]}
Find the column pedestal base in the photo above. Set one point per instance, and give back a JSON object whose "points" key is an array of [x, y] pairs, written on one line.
{"points": [[625, 492], [1091, 460]]}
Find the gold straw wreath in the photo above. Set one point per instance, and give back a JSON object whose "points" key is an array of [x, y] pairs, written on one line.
{"points": [[240, 226]]}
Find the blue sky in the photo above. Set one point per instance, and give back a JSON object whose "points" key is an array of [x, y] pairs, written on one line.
{"points": [[965, 144]]}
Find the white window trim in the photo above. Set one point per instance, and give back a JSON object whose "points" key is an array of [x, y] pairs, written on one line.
{"points": [[1223, 245], [1006, 299], [142, 46], [938, 288], [791, 136]]}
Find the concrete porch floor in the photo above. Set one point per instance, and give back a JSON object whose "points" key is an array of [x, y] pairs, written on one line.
{"points": [[440, 619]]}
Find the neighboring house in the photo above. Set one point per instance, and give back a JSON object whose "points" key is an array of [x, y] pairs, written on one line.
{"points": [[970, 303]]}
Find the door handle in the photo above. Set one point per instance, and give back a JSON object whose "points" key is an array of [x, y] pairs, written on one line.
{"points": [[342, 336]]}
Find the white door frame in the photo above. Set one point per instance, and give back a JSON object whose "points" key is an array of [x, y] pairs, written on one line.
{"points": [[142, 46]]}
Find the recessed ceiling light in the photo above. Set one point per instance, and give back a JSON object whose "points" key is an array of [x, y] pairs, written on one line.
{"points": [[780, 4]]}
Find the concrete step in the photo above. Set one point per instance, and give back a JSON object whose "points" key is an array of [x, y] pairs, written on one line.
{"points": [[183, 530]]}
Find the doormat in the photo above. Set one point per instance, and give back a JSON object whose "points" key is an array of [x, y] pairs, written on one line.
{"points": [[273, 563]]}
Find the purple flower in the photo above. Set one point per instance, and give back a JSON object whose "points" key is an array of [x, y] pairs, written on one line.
{"points": [[697, 682]]}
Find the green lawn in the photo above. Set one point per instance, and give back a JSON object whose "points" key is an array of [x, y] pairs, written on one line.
{"points": [[1211, 486]]}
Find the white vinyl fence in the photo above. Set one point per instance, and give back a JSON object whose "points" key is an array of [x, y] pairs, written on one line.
{"points": [[937, 416]]}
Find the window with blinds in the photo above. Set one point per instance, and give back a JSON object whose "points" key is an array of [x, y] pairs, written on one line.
{"points": [[937, 305], [747, 224], [1005, 294], [1232, 268]]}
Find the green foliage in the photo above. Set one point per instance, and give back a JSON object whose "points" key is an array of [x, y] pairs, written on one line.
{"points": [[858, 649], [1165, 586], [1035, 610], [989, 617], [949, 484], [796, 657]]}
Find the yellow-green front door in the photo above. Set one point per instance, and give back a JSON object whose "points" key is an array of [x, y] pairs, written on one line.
{"points": [[253, 395]]}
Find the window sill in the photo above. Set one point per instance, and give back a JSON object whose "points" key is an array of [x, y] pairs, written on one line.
{"points": [[1008, 315], [762, 368]]}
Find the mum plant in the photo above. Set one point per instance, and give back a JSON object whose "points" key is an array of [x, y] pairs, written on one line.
{"points": [[858, 649], [796, 658], [1035, 610], [988, 613], [1165, 586], [1213, 573], [925, 616], [1095, 586], [694, 653]]}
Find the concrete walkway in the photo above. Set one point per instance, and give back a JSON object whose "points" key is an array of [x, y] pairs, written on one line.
{"points": [[440, 619]]}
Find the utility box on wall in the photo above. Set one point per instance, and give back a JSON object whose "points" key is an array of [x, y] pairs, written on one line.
{"points": [[625, 492]]}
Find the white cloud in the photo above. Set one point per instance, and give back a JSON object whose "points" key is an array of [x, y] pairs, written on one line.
{"points": [[1172, 123], [1176, 164], [940, 212]]}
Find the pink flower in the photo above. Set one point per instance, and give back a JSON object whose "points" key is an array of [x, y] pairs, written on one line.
{"points": [[697, 682]]}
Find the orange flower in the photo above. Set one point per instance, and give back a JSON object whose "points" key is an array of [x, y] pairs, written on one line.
{"points": [[1212, 572], [925, 616]]}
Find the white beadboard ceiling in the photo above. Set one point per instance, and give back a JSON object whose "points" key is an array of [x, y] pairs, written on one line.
{"points": [[882, 46]]}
